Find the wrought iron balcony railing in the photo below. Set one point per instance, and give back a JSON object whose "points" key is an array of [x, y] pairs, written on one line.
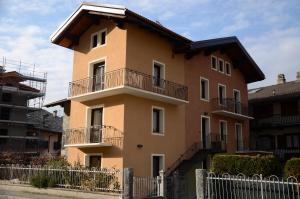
{"points": [[229, 105], [276, 120], [130, 78], [100, 134]]}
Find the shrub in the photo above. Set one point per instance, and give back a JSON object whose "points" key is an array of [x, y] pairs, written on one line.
{"points": [[292, 168], [40, 180], [59, 163], [248, 165]]}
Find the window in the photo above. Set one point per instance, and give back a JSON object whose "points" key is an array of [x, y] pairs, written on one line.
{"points": [[237, 101], [4, 113], [214, 62], [223, 130], [222, 94], [292, 141], [98, 38], [158, 120], [94, 41], [221, 65], [103, 37], [205, 131], [204, 89], [158, 74], [3, 132], [31, 133], [93, 160], [157, 164], [6, 97], [228, 68], [239, 137]]}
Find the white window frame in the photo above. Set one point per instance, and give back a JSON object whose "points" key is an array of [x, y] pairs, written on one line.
{"points": [[162, 133], [209, 125], [89, 114], [93, 62], [98, 33], [226, 129], [162, 72], [208, 98], [225, 95], [241, 125], [211, 62], [229, 64], [87, 158], [222, 60], [163, 161]]}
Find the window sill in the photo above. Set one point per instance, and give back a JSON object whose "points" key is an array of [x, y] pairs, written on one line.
{"points": [[158, 133]]}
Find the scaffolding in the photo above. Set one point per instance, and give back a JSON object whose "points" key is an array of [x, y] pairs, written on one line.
{"points": [[22, 79]]}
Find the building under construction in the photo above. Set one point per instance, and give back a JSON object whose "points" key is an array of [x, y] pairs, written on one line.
{"points": [[24, 126]]}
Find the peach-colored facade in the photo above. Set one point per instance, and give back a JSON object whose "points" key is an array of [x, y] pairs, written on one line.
{"points": [[135, 47]]}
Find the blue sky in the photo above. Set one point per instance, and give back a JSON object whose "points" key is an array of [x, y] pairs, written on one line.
{"points": [[269, 29]]}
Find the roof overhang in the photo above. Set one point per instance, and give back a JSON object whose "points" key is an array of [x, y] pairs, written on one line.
{"points": [[235, 50], [87, 14]]}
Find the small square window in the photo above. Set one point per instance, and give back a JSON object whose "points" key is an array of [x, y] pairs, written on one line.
{"points": [[213, 62], [221, 65], [94, 40], [228, 68], [204, 89], [103, 37], [157, 121]]}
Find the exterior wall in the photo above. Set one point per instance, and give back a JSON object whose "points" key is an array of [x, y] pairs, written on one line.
{"points": [[113, 115], [114, 55], [200, 66], [138, 118], [142, 50]]}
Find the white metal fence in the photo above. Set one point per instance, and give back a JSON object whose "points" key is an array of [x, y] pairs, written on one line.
{"points": [[147, 187], [107, 180], [256, 187]]}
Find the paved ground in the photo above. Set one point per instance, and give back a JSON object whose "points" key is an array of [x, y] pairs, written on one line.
{"points": [[5, 194], [9, 191]]}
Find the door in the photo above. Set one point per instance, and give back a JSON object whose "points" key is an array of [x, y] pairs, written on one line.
{"points": [[98, 76], [157, 164], [96, 125], [239, 137], [237, 101], [205, 132]]}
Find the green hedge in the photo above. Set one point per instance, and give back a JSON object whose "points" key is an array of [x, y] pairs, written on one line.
{"points": [[248, 165], [292, 168]]}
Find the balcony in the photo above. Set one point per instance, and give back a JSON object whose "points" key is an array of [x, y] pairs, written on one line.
{"points": [[126, 81], [276, 121], [94, 136], [230, 108]]}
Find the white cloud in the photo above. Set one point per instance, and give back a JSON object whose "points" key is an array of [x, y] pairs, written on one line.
{"points": [[276, 52]]}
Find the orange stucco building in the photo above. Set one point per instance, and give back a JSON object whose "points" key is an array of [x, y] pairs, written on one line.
{"points": [[145, 97]]}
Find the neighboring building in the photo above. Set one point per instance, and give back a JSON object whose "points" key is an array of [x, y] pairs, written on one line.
{"points": [[22, 121], [276, 110], [147, 98]]}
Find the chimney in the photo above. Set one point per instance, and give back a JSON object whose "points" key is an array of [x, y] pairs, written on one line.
{"points": [[281, 79], [298, 75], [55, 113]]}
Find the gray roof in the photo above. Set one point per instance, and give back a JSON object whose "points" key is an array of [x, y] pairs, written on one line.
{"points": [[46, 121], [277, 91]]}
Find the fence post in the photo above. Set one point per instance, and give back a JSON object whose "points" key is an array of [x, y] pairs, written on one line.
{"points": [[201, 177], [162, 185], [261, 186], [128, 183]]}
